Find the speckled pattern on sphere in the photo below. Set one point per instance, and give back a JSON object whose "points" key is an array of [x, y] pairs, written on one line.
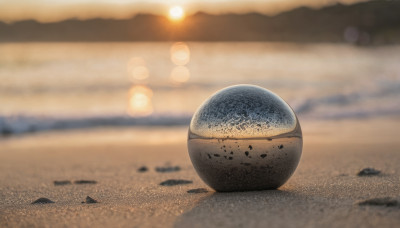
{"points": [[245, 138], [241, 112]]}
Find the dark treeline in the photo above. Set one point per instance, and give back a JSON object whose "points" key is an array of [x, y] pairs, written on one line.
{"points": [[376, 22]]}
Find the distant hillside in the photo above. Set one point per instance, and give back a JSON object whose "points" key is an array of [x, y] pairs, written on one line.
{"points": [[374, 22]]}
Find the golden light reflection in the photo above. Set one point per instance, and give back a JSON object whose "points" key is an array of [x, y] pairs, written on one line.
{"points": [[180, 53], [137, 70], [140, 101], [180, 74], [176, 13]]}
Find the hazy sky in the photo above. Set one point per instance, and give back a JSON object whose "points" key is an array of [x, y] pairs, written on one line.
{"points": [[53, 10]]}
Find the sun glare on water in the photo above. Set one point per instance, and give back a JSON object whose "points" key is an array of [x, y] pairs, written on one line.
{"points": [[140, 101], [176, 13]]}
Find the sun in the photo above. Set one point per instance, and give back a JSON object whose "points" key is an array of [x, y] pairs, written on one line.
{"points": [[176, 13]]}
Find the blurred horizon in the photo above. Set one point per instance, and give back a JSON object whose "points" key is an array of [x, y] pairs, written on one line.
{"points": [[54, 11]]}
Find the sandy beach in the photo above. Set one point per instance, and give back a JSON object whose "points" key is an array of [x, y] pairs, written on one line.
{"points": [[105, 104], [324, 191]]}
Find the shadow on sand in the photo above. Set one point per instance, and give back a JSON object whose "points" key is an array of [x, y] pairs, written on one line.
{"points": [[251, 209]]}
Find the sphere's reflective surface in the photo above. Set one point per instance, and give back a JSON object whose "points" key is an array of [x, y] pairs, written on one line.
{"points": [[244, 137]]}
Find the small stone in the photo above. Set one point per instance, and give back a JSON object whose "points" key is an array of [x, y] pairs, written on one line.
{"points": [[197, 190], [90, 200], [63, 182], [173, 182], [368, 172], [42, 201], [85, 182], [387, 201], [142, 169], [168, 169]]}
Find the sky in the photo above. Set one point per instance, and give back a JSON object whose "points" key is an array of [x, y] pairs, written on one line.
{"points": [[55, 10]]}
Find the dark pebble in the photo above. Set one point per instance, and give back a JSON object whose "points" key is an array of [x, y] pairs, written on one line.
{"points": [[42, 201], [368, 172], [263, 155], [168, 169], [173, 182], [197, 190], [90, 200], [250, 147], [85, 182], [142, 169], [387, 201], [63, 182], [280, 146]]}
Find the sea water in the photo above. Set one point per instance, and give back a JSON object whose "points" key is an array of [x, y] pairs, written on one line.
{"points": [[46, 86]]}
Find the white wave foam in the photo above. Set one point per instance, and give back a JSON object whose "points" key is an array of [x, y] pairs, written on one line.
{"points": [[18, 124]]}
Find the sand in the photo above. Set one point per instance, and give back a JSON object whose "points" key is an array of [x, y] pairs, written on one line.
{"points": [[325, 190]]}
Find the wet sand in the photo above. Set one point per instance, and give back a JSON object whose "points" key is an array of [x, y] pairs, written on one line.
{"points": [[325, 190]]}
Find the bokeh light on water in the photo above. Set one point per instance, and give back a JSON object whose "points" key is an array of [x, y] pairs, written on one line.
{"points": [[140, 96], [180, 56], [137, 70], [354, 35], [140, 101], [180, 53], [180, 74]]}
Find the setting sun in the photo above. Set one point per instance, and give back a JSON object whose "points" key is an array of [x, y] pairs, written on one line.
{"points": [[176, 13]]}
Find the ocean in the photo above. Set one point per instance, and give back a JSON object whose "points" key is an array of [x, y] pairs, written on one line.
{"points": [[56, 86]]}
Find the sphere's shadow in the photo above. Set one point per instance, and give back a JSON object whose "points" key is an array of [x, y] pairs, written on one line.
{"points": [[245, 209]]}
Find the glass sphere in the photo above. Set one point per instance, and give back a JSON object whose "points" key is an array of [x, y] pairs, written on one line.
{"points": [[244, 137]]}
